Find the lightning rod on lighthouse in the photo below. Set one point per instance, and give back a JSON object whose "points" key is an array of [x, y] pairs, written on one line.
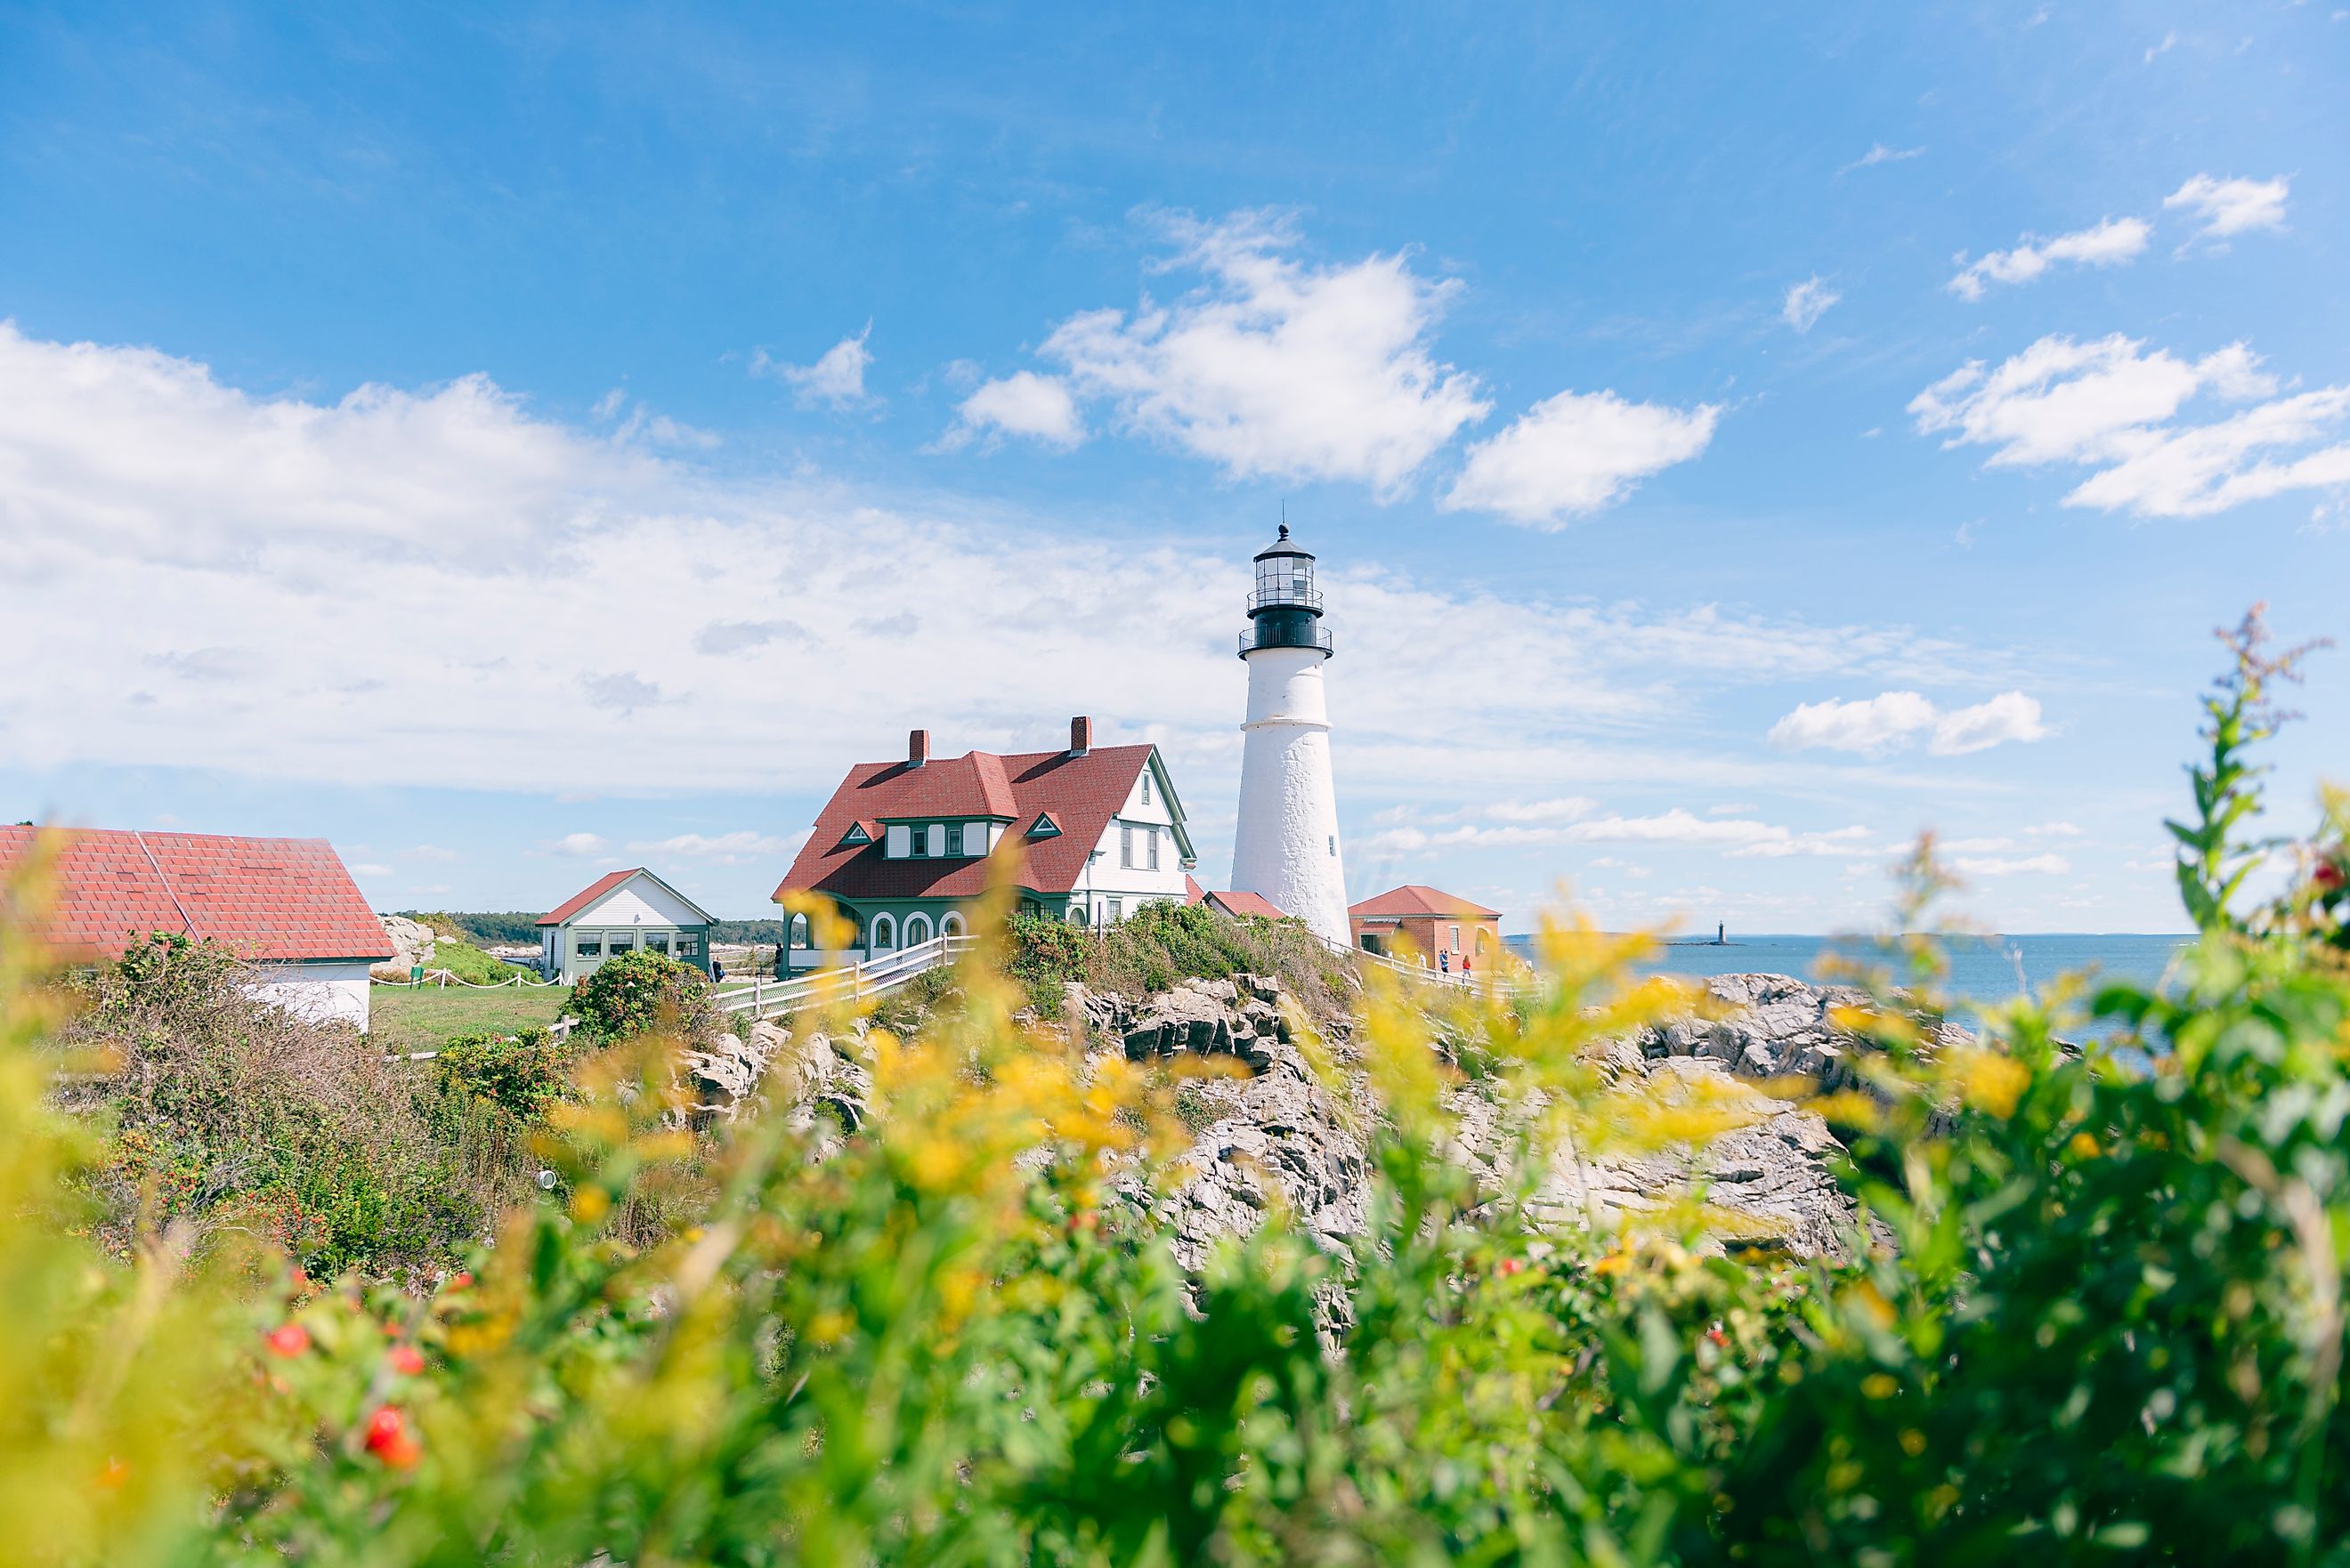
{"points": [[1286, 844]]}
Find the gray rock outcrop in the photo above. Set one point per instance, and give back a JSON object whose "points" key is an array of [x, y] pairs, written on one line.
{"points": [[411, 944]]}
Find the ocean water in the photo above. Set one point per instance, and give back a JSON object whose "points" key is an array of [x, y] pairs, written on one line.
{"points": [[1982, 969]]}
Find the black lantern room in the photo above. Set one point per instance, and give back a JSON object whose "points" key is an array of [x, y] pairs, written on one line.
{"points": [[1286, 610]]}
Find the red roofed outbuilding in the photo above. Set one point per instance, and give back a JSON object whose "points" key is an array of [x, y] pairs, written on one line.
{"points": [[285, 904], [1430, 922], [621, 912], [1090, 834]]}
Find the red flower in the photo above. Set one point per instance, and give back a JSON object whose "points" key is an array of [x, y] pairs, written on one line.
{"points": [[288, 1339], [1510, 1265], [388, 1438], [407, 1360], [461, 1279], [1715, 1334], [2328, 875]]}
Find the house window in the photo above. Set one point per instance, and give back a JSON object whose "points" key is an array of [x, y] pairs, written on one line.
{"points": [[1126, 845], [591, 944], [799, 930], [621, 941], [1146, 786], [687, 946], [1334, 844], [885, 932], [951, 926], [938, 840], [1152, 834], [1456, 939], [1116, 912], [900, 841], [1076, 914], [918, 927], [657, 942]]}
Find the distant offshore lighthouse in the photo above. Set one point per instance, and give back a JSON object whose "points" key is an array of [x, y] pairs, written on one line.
{"points": [[1286, 844]]}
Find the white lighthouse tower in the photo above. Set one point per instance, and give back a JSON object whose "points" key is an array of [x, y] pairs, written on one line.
{"points": [[1286, 845]]}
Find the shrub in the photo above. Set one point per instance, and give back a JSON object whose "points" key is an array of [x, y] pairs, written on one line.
{"points": [[231, 1116], [642, 991], [517, 1074]]}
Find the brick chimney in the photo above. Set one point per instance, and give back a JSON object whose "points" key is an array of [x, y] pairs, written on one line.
{"points": [[918, 747], [1081, 735]]}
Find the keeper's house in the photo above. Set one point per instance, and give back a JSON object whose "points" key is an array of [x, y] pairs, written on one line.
{"points": [[287, 906], [622, 913], [1427, 921], [902, 849]]}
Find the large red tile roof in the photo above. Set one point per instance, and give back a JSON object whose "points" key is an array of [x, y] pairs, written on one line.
{"points": [[272, 898], [1080, 792], [1413, 899]]}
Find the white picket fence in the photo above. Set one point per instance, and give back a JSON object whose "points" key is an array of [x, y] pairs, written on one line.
{"points": [[850, 983], [1490, 979]]}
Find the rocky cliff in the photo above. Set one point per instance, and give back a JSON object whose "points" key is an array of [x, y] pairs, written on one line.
{"points": [[1269, 1130]]}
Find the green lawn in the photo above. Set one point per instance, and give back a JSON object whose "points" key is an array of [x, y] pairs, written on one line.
{"points": [[405, 1020]]}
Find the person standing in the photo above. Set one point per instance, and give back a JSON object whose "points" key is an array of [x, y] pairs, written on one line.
{"points": [[1444, 963]]}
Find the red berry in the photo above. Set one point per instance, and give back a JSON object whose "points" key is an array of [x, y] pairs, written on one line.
{"points": [[388, 1439], [288, 1339], [407, 1360]]}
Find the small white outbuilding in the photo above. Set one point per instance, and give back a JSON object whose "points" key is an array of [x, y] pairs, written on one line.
{"points": [[286, 904], [621, 912]]}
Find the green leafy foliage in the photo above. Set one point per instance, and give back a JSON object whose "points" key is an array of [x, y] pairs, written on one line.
{"points": [[517, 1074], [641, 991], [2100, 1318]]}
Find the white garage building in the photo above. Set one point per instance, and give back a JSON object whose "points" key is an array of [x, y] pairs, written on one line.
{"points": [[285, 905]]}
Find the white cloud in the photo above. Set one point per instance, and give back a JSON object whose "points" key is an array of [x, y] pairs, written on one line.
{"points": [[1274, 368], [738, 848], [1867, 725], [837, 378], [364, 869], [2109, 243], [1574, 454], [578, 845], [451, 541], [1676, 827], [2155, 51], [1890, 719], [2108, 405], [2232, 206], [2009, 866], [2009, 716], [1880, 153], [1022, 404], [1566, 808], [1806, 302]]}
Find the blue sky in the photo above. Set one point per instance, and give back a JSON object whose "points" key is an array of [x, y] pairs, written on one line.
{"points": [[514, 442]]}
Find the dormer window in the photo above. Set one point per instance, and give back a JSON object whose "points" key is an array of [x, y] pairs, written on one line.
{"points": [[1044, 827], [902, 841], [935, 840], [854, 836]]}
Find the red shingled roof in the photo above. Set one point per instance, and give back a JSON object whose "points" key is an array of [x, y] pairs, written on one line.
{"points": [[605, 884], [1256, 904], [273, 898], [1412, 898], [1081, 792]]}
